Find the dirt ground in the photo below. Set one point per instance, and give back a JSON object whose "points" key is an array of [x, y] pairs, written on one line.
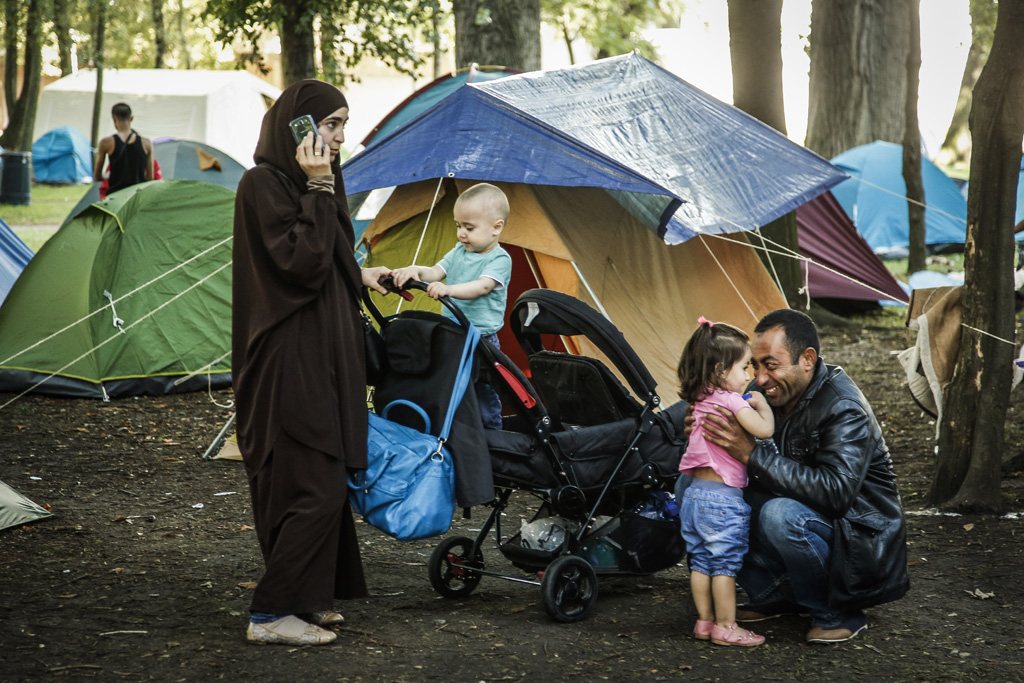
{"points": [[145, 572]]}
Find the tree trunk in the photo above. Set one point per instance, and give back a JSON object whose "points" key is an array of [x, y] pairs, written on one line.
{"points": [[497, 32], [755, 46], [12, 25], [159, 34], [298, 46], [858, 74], [18, 134], [956, 148], [912, 143], [328, 53], [971, 433], [62, 30], [435, 37], [185, 48], [101, 29]]}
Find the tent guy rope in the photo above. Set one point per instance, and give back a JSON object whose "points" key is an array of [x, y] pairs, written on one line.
{"points": [[113, 301], [112, 338]]}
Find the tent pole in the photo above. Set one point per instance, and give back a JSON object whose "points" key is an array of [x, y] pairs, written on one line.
{"points": [[219, 440], [590, 291]]}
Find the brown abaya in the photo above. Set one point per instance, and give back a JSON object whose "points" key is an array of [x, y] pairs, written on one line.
{"points": [[298, 366]]}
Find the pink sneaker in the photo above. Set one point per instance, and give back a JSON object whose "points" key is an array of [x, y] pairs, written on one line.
{"points": [[702, 630], [732, 636]]}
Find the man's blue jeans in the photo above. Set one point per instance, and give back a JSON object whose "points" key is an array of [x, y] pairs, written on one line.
{"points": [[787, 564]]}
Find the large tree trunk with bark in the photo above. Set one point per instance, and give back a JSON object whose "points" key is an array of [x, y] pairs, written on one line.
{"points": [[497, 32], [912, 144], [971, 433], [159, 34], [755, 46], [956, 147], [18, 134], [858, 74], [298, 46]]}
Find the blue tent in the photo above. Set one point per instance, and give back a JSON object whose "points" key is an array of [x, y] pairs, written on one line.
{"points": [[678, 160], [14, 256], [1019, 216], [875, 199], [62, 156]]}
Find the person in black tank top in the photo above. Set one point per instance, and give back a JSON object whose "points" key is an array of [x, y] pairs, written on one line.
{"points": [[130, 154]]}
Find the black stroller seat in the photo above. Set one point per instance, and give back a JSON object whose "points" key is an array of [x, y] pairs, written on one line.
{"points": [[579, 390]]}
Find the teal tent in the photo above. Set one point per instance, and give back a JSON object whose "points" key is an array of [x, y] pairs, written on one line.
{"points": [[191, 160], [62, 156], [127, 298]]}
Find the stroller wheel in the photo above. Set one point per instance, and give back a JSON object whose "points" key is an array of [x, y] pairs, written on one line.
{"points": [[449, 567], [569, 588]]}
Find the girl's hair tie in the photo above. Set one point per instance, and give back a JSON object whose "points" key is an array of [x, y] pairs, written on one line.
{"points": [[704, 321]]}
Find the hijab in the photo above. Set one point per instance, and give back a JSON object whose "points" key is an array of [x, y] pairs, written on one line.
{"points": [[276, 145]]}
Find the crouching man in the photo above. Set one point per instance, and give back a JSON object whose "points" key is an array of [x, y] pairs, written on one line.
{"points": [[827, 535]]}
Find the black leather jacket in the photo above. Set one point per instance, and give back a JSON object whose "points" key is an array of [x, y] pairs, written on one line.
{"points": [[832, 457]]}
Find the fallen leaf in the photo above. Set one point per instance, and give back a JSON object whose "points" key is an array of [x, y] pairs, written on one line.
{"points": [[247, 584], [968, 526], [116, 570], [246, 527], [120, 518], [914, 563], [980, 594]]}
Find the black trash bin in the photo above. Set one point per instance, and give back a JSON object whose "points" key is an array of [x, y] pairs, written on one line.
{"points": [[16, 178]]}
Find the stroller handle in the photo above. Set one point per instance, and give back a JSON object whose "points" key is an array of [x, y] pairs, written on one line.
{"points": [[388, 282]]}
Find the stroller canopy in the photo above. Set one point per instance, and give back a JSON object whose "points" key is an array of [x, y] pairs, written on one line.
{"points": [[546, 311]]}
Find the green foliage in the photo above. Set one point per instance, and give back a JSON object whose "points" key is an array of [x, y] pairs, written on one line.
{"points": [[612, 27], [129, 41], [385, 30]]}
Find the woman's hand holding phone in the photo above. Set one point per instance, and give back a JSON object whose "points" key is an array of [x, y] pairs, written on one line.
{"points": [[312, 156]]}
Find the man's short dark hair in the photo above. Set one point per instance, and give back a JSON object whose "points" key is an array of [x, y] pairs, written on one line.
{"points": [[798, 327], [122, 111]]}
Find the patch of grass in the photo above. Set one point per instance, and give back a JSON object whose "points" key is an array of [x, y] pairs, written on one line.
{"points": [[49, 205], [940, 263]]}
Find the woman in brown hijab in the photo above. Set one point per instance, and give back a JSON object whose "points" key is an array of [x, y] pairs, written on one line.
{"points": [[299, 372]]}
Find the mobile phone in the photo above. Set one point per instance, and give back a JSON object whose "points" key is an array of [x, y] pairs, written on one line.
{"points": [[301, 126]]}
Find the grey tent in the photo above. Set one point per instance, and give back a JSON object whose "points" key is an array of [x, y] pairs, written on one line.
{"points": [[16, 509]]}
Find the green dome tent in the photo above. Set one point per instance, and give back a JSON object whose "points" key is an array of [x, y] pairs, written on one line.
{"points": [[127, 298]]}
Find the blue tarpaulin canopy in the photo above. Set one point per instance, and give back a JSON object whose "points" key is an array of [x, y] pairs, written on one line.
{"points": [[679, 160]]}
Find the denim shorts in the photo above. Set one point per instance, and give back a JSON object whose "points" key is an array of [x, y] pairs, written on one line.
{"points": [[715, 523]]}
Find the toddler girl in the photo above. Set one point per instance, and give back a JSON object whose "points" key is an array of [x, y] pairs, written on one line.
{"points": [[715, 521]]}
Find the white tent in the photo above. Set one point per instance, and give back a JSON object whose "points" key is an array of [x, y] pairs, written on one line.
{"points": [[223, 109]]}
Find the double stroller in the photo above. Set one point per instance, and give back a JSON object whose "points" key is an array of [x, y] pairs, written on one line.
{"points": [[601, 459]]}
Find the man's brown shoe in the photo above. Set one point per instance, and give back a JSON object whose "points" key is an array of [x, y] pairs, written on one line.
{"points": [[832, 635], [749, 616]]}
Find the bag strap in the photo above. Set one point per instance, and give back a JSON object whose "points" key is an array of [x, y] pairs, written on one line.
{"points": [[461, 379]]}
